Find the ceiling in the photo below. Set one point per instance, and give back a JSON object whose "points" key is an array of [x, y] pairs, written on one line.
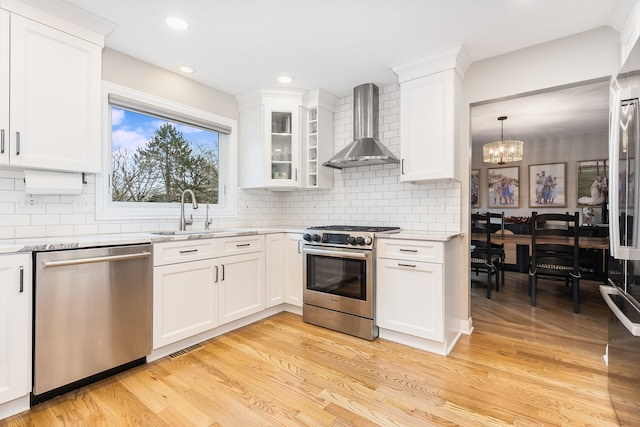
{"points": [[577, 110], [238, 45]]}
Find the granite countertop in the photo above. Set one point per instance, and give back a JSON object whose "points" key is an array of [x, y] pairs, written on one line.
{"points": [[420, 235], [93, 240]]}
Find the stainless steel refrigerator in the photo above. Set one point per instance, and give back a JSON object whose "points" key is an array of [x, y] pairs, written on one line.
{"points": [[623, 293]]}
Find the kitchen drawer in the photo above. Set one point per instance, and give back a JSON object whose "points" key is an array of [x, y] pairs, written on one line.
{"points": [[411, 250], [241, 245], [184, 250]]}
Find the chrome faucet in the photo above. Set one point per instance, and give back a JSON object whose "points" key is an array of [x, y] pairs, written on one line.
{"points": [[183, 221], [207, 221]]}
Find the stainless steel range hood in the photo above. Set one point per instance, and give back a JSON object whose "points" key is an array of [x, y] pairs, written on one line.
{"points": [[365, 149]]}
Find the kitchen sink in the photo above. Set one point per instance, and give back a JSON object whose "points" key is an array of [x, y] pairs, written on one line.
{"points": [[240, 232]]}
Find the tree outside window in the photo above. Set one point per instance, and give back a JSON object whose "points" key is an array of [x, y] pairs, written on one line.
{"points": [[154, 160]]}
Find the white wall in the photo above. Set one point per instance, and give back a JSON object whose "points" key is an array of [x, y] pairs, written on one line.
{"points": [[373, 195], [133, 73], [543, 150], [365, 195], [582, 57]]}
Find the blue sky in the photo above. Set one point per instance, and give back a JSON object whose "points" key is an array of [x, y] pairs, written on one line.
{"points": [[131, 130]]}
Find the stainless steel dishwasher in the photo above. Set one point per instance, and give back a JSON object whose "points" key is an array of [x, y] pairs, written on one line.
{"points": [[92, 315]]}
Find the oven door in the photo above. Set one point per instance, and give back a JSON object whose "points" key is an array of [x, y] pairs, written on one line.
{"points": [[339, 279]]}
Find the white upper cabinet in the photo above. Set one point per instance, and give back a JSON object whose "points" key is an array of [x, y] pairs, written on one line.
{"points": [[430, 95], [317, 140], [50, 82], [630, 31], [4, 86], [283, 139], [269, 140]]}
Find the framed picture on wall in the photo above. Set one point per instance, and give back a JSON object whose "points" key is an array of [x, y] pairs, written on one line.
{"points": [[547, 184], [592, 182], [475, 188], [503, 189]]}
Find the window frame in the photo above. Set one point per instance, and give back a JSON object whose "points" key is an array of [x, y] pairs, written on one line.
{"points": [[107, 209]]}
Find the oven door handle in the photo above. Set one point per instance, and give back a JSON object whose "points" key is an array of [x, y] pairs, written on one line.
{"points": [[336, 254]]}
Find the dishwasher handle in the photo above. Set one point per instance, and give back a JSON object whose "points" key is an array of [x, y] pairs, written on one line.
{"points": [[108, 258]]}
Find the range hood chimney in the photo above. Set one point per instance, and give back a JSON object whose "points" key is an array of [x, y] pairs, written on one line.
{"points": [[365, 149]]}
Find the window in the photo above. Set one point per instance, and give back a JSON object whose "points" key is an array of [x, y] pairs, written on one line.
{"points": [[154, 149]]}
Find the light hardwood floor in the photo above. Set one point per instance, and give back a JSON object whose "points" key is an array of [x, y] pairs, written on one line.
{"points": [[522, 366]]}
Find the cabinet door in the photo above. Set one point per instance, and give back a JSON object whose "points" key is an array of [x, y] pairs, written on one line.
{"points": [[283, 140], [427, 127], [4, 86], [241, 286], [409, 298], [185, 300], [182, 251], [275, 269], [15, 326], [55, 98], [293, 269]]}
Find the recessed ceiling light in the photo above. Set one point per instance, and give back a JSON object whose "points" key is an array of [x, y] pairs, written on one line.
{"points": [[177, 23], [186, 69], [285, 79]]}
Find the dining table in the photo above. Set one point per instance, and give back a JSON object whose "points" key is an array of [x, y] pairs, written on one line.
{"points": [[585, 242]]}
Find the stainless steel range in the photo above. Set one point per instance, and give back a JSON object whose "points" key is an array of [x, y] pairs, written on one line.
{"points": [[339, 278]]}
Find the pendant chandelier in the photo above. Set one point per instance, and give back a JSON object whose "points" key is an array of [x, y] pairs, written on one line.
{"points": [[503, 151]]}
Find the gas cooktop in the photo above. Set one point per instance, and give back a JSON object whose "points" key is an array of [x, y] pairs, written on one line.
{"points": [[359, 236]]}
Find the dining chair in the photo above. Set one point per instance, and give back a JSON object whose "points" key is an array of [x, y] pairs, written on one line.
{"points": [[486, 256], [555, 252], [497, 219]]}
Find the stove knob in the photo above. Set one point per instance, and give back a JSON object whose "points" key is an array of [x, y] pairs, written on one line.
{"points": [[351, 240], [368, 240], [315, 237], [360, 241], [307, 237]]}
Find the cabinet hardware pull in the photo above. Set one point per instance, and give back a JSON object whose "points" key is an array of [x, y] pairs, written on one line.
{"points": [[17, 143], [109, 258], [21, 279], [296, 174], [216, 274], [299, 246], [1, 141], [402, 167], [241, 245], [406, 265], [408, 250], [222, 280], [188, 251]]}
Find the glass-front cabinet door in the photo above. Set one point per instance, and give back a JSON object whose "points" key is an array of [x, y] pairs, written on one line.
{"points": [[283, 144], [282, 167], [285, 137]]}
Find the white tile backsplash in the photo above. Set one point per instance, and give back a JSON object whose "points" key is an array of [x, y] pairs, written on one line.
{"points": [[369, 195]]}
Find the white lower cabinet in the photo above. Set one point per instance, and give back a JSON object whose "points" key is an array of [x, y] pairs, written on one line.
{"points": [[409, 296], [417, 292], [293, 280], [185, 300], [284, 269], [201, 284], [275, 269], [241, 291], [15, 332]]}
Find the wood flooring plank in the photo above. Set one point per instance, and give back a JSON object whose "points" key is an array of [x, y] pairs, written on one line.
{"points": [[522, 366]]}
